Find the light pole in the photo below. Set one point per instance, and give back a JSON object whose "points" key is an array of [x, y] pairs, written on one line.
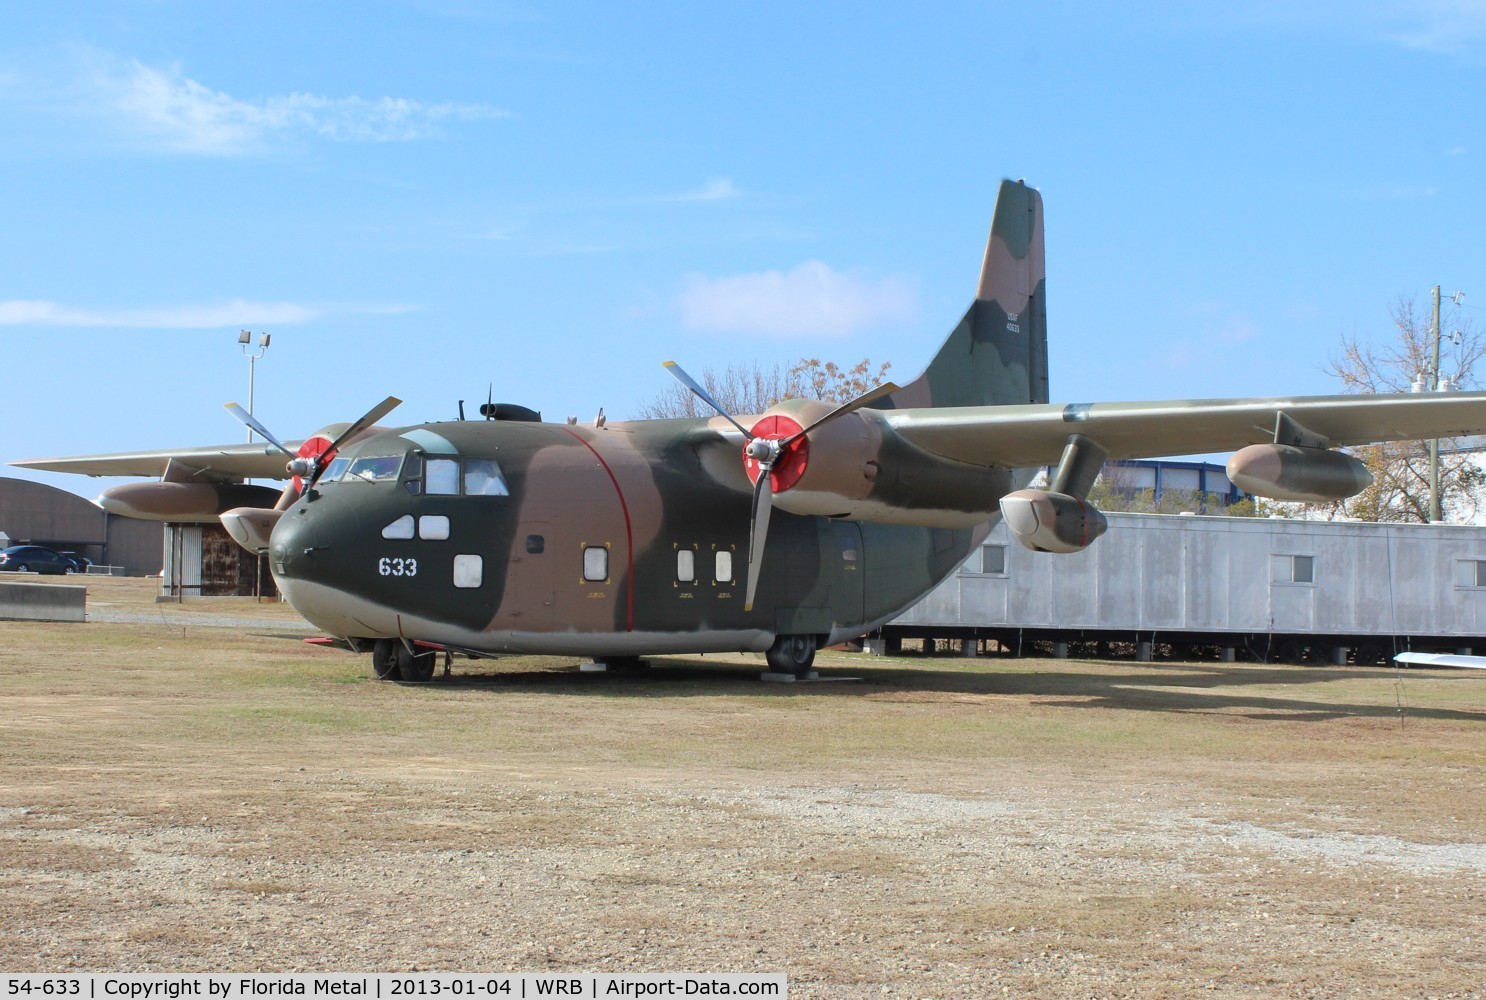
{"points": [[245, 341]]}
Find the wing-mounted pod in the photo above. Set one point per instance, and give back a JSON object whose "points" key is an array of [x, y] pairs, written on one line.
{"points": [[1059, 519], [183, 494], [1299, 465]]}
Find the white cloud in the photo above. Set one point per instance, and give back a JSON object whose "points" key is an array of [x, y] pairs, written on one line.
{"points": [[811, 299], [237, 313], [716, 189], [163, 108]]}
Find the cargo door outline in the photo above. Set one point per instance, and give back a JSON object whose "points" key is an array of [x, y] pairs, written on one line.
{"points": [[529, 602]]}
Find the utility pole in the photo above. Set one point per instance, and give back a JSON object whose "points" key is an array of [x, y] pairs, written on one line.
{"points": [[1434, 443]]}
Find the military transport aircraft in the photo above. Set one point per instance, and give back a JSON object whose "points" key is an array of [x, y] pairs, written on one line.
{"points": [[781, 532]]}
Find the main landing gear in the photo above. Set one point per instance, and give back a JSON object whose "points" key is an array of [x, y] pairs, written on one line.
{"points": [[392, 661], [792, 654]]}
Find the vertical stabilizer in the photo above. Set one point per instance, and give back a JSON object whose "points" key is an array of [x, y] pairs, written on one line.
{"points": [[998, 352]]}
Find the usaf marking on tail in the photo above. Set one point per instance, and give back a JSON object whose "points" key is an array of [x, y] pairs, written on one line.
{"points": [[780, 532]]}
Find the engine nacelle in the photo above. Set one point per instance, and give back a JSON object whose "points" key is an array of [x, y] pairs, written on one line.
{"points": [[190, 503], [1288, 472], [251, 527], [1051, 522]]}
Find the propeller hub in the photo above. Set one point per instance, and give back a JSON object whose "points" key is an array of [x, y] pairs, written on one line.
{"points": [[315, 451], [767, 450]]}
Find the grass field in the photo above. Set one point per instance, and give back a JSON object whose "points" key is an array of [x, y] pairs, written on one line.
{"points": [[190, 797]]}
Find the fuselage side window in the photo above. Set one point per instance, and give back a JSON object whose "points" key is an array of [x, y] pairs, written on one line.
{"points": [[483, 478], [443, 476]]}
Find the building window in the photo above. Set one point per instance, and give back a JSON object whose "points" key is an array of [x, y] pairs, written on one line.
{"points": [[1470, 574], [595, 564], [993, 559], [1293, 569]]}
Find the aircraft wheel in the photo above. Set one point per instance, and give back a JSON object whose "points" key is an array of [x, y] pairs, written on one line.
{"points": [[791, 654], [415, 667], [384, 659]]}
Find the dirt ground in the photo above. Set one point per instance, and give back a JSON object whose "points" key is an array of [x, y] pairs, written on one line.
{"points": [[182, 794]]}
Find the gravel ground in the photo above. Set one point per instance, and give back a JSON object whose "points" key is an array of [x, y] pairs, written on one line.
{"points": [[182, 798]]}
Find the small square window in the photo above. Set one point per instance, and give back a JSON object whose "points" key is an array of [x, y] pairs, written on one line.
{"points": [[993, 559], [596, 564], [724, 567], [434, 527], [535, 545], [686, 565], [469, 571], [1305, 569]]}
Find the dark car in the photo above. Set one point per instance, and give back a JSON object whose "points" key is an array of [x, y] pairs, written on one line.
{"points": [[19, 558]]}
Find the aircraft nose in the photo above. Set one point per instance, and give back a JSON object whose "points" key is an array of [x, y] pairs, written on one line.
{"points": [[295, 541]]}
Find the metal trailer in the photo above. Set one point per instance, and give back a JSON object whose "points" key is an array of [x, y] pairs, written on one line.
{"points": [[1219, 587]]}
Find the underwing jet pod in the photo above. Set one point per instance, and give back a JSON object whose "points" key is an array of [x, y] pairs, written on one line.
{"points": [[805, 525]]}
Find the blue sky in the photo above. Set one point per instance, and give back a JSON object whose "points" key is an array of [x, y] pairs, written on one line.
{"points": [[425, 198]]}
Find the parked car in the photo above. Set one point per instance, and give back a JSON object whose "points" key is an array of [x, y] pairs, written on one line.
{"points": [[37, 559], [81, 562]]}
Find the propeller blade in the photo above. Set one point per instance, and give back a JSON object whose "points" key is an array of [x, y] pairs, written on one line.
{"points": [[758, 533], [870, 396], [368, 418], [703, 395], [252, 421]]}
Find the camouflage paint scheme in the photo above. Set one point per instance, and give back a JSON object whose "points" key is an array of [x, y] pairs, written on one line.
{"points": [[871, 509]]}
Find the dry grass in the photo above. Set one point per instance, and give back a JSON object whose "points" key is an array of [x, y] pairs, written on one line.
{"points": [[184, 797]]}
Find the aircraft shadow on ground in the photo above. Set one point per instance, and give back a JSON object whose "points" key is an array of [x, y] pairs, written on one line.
{"points": [[1179, 688]]}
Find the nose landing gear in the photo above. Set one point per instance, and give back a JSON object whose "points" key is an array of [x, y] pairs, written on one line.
{"points": [[392, 660]]}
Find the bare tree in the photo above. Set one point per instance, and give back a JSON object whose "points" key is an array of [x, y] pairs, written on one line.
{"points": [[1400, 489], [749, 389]]}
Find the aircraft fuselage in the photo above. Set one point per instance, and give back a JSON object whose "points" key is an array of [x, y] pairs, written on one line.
{"points": [[508, 537]]}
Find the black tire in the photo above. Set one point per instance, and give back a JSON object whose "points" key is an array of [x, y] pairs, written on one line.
{"points": [[384, 659], [415, 667], [70, 570], [791, 654], [23, 568]]}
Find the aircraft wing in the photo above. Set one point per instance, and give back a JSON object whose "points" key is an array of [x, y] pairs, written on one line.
{"points": [[217, 463], [1023, 436]]}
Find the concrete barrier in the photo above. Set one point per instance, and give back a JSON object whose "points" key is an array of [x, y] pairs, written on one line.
{"points": [[43, 602]]}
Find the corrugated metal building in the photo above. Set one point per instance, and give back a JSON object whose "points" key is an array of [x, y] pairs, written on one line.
{"points": [[1275, 588]]}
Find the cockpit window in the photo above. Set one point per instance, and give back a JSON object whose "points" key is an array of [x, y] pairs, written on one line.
{"points": [[335, 470], [483, 478], [443, 476], [374, 470]]}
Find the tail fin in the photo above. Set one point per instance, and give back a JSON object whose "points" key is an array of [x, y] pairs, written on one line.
{"points": [[998, 353]]}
